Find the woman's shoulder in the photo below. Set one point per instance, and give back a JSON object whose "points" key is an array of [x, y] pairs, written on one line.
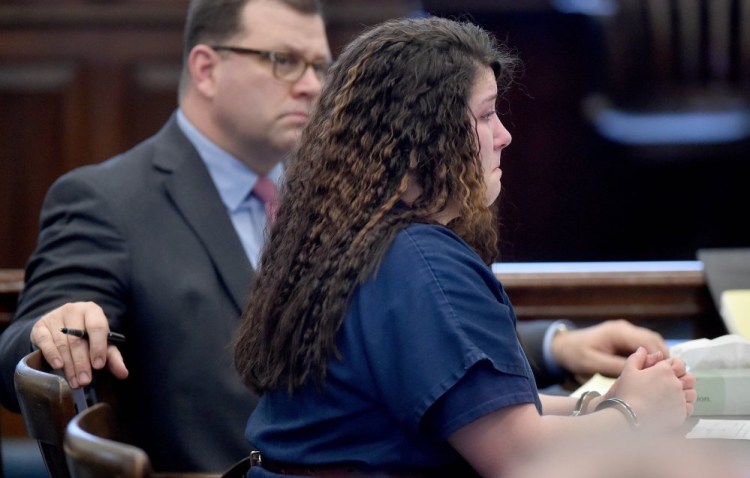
{"points": [[433, 247], [434, 241], [429, 235]]}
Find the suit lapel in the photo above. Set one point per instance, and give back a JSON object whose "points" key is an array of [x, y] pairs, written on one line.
{"points": [[194, 194]]}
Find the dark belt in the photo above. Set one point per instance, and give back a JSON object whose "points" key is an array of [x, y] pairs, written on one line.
{"points": [[350, 471]]}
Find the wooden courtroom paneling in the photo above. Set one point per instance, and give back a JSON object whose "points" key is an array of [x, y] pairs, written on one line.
{"points": [[665, 296], [81, 81], [38, 135], [565, 196], [568, 193], [11, 283]]}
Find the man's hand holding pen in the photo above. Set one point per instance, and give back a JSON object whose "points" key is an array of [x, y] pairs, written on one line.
{"points": [[111, 336], [86, 344]]}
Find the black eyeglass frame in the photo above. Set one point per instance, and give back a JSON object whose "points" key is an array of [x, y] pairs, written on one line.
{"points": [[319, 68]]}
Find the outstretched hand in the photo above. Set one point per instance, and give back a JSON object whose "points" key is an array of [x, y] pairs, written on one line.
{"points": [[77, 356], [602, 348]]}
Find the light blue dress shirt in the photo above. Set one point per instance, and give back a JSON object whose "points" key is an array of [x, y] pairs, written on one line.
{"points": [[235, 181]]}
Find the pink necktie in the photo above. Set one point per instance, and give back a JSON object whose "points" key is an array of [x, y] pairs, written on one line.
{"points": [[265, 190]]}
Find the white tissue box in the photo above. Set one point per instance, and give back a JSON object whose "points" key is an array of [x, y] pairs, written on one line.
{"points": [[722, 391]]}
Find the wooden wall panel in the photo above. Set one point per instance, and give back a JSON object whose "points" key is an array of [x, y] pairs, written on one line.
{"points": [[566, 196], [152, 97], [38, 129], [79, 82]]}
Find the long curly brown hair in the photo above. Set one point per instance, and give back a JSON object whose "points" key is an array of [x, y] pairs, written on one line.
{"points": [[394, 109]]}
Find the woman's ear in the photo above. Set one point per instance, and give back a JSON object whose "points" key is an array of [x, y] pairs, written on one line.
{"points": [[413, 189]]}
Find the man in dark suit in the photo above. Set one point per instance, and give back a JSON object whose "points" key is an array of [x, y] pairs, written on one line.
{"points": [[153, 240], [160, 242]]}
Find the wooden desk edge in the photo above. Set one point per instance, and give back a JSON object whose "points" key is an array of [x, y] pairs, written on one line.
{"points": [[11, 281], [575, 274], [598, 279]]}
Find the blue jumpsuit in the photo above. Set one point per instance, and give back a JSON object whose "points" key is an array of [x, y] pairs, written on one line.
{"points": [[428, 345]]}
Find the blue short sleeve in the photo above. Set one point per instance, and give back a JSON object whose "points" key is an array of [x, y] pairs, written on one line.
{"points": [[431, 313], [481, 391]]}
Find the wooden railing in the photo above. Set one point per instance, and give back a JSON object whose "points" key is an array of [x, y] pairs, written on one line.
{"points": [[642, 292], [11, 283], [637, 291]]}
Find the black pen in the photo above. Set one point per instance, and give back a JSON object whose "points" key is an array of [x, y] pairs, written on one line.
{"points": [[111, 336]]}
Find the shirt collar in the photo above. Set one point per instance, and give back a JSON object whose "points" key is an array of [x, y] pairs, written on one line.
{"points": [[233, 178]]}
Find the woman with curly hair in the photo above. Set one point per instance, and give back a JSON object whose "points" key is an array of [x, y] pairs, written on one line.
{"points": [[380, 340]]}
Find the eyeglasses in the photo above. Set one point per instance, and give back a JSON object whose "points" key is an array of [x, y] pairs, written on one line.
{"points": [[287, 67]]}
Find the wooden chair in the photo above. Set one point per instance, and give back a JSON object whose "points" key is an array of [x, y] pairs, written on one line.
{"points": [[677, 77], [47, 405], [94, 449]]}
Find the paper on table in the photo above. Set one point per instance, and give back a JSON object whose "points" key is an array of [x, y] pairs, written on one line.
{"points": [[730, 351], [727, 429], [597, 383], [722, 373], [735, 310]]}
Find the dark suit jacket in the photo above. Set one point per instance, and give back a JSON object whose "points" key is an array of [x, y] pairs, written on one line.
{"points": [[146, 236]]}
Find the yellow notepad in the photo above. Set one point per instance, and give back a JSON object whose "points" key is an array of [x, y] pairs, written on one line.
{"points": [[735, 310], [597, 383]]}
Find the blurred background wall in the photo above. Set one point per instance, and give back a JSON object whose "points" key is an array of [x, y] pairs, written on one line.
{"points": [[630, 121]]}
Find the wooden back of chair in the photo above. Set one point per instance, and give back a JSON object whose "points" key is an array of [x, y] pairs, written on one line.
{"points": [[47, 406], [87, 444], [94, 448], [694, 46]]}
